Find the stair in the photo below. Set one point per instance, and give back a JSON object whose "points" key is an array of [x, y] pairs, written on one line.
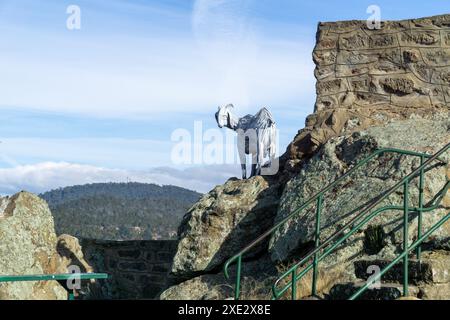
{"points": [[311, 298], [434, 268], [430, 279], [386, 291]]}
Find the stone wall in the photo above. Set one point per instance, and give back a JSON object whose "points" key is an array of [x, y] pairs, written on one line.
{"points": [[403, 64], [137, 269], [369, 77]]}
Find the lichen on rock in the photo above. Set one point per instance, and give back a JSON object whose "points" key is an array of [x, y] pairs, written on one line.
{"points": [[336, 157], [29, 245], [222, 221]]}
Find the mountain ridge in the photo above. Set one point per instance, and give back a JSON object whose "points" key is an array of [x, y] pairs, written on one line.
{"points": [[119, 211]]}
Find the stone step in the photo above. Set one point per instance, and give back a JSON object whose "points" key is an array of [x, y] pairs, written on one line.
{"points": [[435, 291], [434, 268], [311, 298], [386, 291]]}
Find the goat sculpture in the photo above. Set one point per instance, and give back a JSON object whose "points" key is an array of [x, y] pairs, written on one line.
{"points": [[256, 136]]}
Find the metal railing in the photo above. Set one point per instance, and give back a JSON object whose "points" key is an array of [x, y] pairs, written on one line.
{"points": [[298, 276], [318, 198], [367, 215], [55, 277], [404, 255]]}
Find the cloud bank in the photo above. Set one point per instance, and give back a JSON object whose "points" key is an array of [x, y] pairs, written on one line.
{"points": [[45, 176]]}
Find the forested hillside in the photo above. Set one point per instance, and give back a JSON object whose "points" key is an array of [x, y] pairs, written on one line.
{"points": [[119, 211]]}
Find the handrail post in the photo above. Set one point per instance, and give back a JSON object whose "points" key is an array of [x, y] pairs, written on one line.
{"points": [[237, 289], [405, 237], [317, 243], [294, 284], [419, 218]]}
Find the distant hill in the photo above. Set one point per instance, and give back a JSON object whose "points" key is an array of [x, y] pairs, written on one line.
{"points": [[119, 211]]}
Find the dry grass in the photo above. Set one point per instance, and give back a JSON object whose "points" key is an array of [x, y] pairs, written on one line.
{"points": [[326, 279], [257, 290], [261, 289], [446, 200], [251, 289]]}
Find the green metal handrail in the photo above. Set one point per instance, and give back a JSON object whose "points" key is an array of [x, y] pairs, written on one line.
{"points": [[318, 197], [405, 183], [49, 277], [56, 277], [277, 294], [403, 255]]}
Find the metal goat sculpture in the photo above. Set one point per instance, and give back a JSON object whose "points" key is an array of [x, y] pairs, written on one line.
{"points": [[256, 136]]}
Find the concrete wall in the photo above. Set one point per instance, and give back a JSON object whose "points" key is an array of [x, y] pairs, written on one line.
{"points": [[137, 269]]}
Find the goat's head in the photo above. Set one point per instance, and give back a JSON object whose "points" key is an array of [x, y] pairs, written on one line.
{"points": [[223, 116]]}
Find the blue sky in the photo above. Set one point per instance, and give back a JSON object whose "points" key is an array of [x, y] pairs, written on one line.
{"points": [[100, 103]]}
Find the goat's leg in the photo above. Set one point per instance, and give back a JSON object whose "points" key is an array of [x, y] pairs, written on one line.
{"points": [[243, 163], [260, 157], [242, 156], [244, 171], [254, 165], [254, 171]]}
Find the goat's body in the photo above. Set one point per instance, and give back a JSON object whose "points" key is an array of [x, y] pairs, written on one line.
{"points": [[256, 137]]}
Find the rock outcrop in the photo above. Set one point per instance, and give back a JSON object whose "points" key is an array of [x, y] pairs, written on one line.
{"points": [[222, 220], [71, 254], [359, 189], [29, 245], [375, 89], [257, 277]]}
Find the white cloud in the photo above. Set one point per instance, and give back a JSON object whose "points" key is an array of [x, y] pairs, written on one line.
{"points": [[45, 176], [248, 79], [226, 59], [105, 152]]}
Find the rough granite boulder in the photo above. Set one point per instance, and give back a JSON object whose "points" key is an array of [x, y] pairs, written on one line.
{"points": [[71, 259], [28, 246], [204, 287], [257, 277], [222, 222], [358, 190], [71, 254]]}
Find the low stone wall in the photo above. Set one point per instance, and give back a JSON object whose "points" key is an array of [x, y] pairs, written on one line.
{"points": [[137, 269]]}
